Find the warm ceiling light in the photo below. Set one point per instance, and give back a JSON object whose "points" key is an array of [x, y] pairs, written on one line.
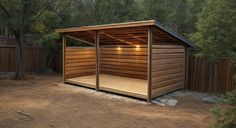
{"points": [[119, 48], [137, 46]]}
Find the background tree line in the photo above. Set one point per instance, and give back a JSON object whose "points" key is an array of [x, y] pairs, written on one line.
{"points": [[210, 24]]}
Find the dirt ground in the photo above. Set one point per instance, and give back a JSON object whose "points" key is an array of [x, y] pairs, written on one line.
{"points": [[42, 102]]}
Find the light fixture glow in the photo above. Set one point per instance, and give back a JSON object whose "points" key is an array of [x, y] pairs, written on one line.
{"points": [[137, 46], [119, 48]]}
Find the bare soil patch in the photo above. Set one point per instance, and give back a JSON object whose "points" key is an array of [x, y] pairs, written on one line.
{"points": [[41, 101]]}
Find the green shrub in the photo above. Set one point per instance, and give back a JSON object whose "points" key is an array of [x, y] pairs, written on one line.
{"points": [[230, 98], [226, 116]]}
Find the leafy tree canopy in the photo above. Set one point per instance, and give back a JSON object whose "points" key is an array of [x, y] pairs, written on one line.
{"points": [[216, 29]]}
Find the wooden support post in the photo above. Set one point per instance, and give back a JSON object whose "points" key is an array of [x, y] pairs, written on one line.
{"points": [[63, 57], [97, 59], [149, 73], [186, 64]]}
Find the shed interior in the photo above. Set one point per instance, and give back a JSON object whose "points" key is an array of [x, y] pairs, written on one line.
{"points": [[122, 61], [117, 59]]}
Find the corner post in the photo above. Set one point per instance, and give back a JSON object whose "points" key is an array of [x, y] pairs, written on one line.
{"points": [[186, 68], [97, 59], [63, 56], [149, 73]]}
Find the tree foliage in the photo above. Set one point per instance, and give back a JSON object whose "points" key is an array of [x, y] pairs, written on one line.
{"points": [[216, 29], [226, 116]]}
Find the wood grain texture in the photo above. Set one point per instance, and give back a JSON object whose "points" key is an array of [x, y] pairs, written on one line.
{"points": [[114, 83], [34, 59], [210, 76], [168, 68], [79, 61], [126, 62], [109, 26]]}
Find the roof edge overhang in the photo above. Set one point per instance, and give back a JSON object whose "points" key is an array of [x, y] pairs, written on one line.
{"points": [[127, 25], [108, 26], [176, 35]]}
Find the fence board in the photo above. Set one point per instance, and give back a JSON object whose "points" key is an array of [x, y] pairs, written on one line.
{"points": [[34, 59], [210, 76]]}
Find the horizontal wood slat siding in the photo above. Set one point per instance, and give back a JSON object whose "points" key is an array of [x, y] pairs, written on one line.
{"points": [[34, 59], [79, 62], [168, 68], [127, 62]]}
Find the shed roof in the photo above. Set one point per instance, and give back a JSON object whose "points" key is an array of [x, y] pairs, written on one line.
{"points": [[135, 30]]}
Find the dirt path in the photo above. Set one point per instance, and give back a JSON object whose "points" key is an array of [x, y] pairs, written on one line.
{"points": [[41, 102]]}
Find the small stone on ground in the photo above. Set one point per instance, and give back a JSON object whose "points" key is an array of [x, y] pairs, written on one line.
{"points": [[165, 102], [211, 99], [171, 99], [7, 75]]}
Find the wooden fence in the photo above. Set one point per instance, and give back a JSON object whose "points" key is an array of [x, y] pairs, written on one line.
{"points": [[210, 76], [34, 59]]}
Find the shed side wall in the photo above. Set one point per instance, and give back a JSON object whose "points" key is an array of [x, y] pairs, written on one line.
{"points": [[168, 68], [79, 62]]}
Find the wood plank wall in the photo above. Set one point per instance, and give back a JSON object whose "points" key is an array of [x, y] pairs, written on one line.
{"points": [[168, 68], [80, 61], [126, 61], [34, 59], [210, 76]]}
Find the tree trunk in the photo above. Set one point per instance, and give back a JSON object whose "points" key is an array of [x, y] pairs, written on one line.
{"points": [[19, 60], [6, 32], [5, 35], [20, 44]]}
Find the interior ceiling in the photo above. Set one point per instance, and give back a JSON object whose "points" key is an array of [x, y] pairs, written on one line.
{"points": [[124, 36]]}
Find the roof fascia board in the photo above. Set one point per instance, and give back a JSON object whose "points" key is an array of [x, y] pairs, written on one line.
{"points": [[107, 26]]}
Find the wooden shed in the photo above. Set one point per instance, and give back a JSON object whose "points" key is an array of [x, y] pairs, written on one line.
{"points": [[139, 59]]}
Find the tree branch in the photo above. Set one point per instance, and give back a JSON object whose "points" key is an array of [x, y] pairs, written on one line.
{"points": [[5, 10], [65, 6], [38, 15], [46, 6]]}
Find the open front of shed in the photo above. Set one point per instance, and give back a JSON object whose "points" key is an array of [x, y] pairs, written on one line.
{"points": [[139, 59]]}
